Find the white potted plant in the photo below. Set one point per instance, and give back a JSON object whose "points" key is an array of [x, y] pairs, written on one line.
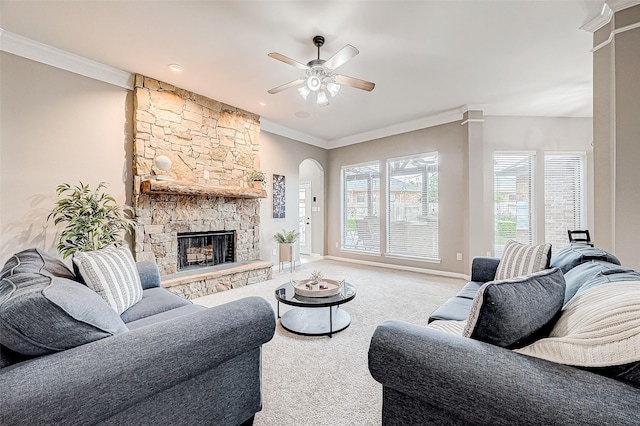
{"points": [[257, 178]]}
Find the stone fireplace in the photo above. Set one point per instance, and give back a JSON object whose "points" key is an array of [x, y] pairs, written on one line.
{"points": [[212, 148], [202, 249]]}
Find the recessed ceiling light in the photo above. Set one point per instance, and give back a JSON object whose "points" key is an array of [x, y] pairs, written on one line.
{"points": [[302, 114], [176, 67], [263, 104]]}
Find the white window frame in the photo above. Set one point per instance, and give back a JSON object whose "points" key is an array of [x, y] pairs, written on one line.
{"points": [[533, 216], [354, 246], [435, 258]]}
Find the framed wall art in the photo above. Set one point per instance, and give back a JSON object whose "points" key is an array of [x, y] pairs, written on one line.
{"points": [[278, 197]]}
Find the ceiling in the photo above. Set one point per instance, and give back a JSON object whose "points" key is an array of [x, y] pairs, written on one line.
{"points": [[427, 58]]}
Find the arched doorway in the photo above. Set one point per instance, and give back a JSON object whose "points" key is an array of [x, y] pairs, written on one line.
{"points": [[311, 207]]}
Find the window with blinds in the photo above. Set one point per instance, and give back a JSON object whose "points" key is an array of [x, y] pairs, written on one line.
{"points": [[361, 207], [412, 185], [513, 177], [564, 201]]}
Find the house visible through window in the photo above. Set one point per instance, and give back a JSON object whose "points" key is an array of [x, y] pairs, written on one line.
{"points": [[412, 187], [513, 192], [564, 201], [361, 207]]}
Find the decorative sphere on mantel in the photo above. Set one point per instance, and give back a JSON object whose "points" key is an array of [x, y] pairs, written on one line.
{"points": [[162, 162]]}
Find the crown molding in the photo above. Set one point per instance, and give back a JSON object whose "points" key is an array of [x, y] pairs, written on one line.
{"points": [[40, 52], [618, 5], [396, 129], [275, 128], [599, 21]]}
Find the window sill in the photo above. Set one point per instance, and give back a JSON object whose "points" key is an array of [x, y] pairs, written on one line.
{"points": [[412, 258]]}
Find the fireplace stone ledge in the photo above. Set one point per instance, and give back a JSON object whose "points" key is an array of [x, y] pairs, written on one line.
{"points": [[192, 284], [180, 187]]}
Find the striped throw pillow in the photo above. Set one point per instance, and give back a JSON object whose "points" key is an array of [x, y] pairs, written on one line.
{"points": [[112, 273], [521, 259]]}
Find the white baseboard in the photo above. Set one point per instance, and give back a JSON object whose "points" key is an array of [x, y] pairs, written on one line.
{"points": [[401, 267]]}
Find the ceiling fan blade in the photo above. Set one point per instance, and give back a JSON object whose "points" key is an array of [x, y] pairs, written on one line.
{"points": [[354, 82], [288, 60], [293, 83], [342, 56]]}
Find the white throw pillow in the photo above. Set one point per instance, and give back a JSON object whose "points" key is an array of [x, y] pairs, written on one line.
{"points": [[521, 259], [112, 273], [597, 328]]}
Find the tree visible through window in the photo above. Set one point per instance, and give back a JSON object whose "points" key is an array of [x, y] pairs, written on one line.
{"points": [[412, 187], [361, 207]]}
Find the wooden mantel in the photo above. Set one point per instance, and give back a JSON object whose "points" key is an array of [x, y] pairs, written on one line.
{"points": [[178, 187]]}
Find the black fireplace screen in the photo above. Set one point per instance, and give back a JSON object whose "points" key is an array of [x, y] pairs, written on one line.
{"points": [[201, 249]]}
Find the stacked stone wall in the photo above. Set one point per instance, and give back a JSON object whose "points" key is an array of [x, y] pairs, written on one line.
{"points": [[208, 143]]}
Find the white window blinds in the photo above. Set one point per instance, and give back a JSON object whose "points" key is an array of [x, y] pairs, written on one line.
{"points": [[564, 203], [361, 207], [513, 191], [412, 185]]}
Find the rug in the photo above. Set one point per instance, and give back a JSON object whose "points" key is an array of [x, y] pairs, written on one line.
{"points": [[326, 381]]}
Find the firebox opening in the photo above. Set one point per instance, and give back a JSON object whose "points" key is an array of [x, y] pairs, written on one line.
{"points": [[203, 249]]}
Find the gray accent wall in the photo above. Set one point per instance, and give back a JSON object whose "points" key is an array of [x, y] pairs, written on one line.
{"points": [[616, 129]]}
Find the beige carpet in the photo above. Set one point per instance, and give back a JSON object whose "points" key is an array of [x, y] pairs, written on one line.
{"points": [[325, 381]]}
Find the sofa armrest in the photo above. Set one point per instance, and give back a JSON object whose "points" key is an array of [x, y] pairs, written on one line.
{"points": [[149, 274], [473, 382], [484, 269], [93, 382]]}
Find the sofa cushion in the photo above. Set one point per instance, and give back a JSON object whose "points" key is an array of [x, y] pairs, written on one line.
{"points": [[36, 260], [41, 314], [154, 301], [578, 276], [165, 316], [112, 273], [598, 328], [575, 254], [521, 259], [470, 290], [456, 308], [512, 313]]}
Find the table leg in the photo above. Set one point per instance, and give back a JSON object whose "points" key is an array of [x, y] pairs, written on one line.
{"points": [[330, 321], [278, 309]]}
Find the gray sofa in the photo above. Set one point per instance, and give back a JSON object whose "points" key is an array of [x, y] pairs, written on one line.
{"points": [[178, 363], [430, 377]]}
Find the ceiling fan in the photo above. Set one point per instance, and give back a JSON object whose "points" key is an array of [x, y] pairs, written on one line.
{"points": [[320, 76]]}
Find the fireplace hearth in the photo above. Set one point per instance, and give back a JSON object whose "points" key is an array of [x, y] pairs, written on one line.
{"points": [[204, 249]]}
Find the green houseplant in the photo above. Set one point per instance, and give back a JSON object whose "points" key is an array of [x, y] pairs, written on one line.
{"points": [[93, 218], [286, 237], [286, 240], [258, 178]]}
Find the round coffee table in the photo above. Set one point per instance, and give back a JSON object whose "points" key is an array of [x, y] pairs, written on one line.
{"points": [[314, 316]]}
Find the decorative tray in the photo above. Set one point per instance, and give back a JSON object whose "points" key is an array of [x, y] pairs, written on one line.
{"points": [[321, 288]]}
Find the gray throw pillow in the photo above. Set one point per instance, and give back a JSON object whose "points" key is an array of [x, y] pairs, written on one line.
{"points": [[36, 260], [513, 313], [41, 314]]}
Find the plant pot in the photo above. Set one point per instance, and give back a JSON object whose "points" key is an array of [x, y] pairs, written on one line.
{"points": [[286, 255], [257, 184]]}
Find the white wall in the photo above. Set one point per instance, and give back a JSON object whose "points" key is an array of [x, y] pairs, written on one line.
{"points": [[312, 171], [56, 127], [282, 156]]}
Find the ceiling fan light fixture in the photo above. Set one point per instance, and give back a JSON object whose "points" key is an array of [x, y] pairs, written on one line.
{"points": [[322, 99], [333, 88], [304, 92], [314, 82]]}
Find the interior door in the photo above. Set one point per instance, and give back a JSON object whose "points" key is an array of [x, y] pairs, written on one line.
{"points": [[304, 217]]}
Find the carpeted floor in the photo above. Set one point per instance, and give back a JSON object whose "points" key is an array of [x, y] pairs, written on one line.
{"points": [[325, 381]]}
